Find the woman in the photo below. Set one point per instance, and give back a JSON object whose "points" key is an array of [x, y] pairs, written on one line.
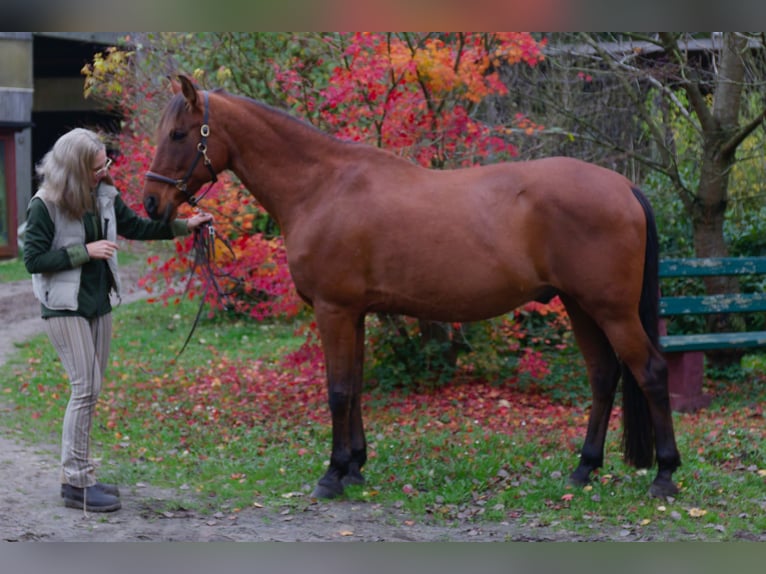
{"points": [[71, 250]]}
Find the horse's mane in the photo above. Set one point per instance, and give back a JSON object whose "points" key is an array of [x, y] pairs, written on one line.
{"points": [[280, 114], [177, 105]]}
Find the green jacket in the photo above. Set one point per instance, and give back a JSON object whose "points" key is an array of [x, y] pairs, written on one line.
{"points": [[59, 261]]}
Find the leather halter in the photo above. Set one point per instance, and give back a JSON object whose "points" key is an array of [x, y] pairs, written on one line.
{"points": [[181, 184]]}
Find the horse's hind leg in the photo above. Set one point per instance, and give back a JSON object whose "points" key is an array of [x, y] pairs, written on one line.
{"points": [[603, 374], [647, 417]]}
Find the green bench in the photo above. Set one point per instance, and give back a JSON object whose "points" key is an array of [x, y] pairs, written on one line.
{"points": [[685, 352]]}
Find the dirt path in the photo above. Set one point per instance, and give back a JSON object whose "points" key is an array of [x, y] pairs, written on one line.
{"points": [[31, 509]]}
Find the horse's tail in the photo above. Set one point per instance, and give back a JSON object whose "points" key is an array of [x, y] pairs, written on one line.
{"points": [[638, 430]]}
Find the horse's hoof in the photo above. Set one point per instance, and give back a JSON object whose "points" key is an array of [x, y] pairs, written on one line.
{"points": [[353, 478], [575, 483], [327, 491], [580, 477], [661, 489]]}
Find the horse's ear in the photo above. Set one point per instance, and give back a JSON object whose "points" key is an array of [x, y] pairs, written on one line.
{"points": [[175, 86], [190, 92]]}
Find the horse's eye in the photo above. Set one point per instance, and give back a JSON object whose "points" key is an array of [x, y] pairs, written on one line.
{"points": [[177, 135]]}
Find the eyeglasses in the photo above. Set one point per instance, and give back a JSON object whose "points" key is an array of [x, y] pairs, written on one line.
{"points": [[104, 168]]}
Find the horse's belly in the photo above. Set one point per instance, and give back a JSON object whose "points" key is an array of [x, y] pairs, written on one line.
{"points": [[452, 301]]}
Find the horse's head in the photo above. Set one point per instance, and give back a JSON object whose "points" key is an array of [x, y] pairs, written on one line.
{"points": [[182, 162]]}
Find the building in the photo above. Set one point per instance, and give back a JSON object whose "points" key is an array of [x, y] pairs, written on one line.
{"points": [[41, 97]]}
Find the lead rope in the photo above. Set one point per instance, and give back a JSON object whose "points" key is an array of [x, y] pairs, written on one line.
{"points": [[204, 259]]}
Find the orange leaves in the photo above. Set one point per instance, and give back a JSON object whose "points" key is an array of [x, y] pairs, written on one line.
{"points": [[517, 47], [416, 94]]}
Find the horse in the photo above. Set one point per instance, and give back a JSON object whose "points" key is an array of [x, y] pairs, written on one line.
{"points": [[367, 231]]}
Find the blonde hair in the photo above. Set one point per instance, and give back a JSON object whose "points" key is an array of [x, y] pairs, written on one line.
{"points": [[65, 171]]}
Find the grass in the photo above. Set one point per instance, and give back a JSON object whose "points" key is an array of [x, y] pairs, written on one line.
{"points": [[13, 270], [233, 422]]}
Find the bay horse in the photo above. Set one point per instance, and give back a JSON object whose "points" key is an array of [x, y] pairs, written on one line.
{"points": [[367, 231]]}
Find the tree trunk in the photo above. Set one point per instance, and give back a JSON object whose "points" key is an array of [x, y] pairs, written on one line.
{"points": [[708, 210]]}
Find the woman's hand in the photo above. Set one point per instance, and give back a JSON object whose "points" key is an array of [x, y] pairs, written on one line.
{"points": [[198, 219], [101, 249]]}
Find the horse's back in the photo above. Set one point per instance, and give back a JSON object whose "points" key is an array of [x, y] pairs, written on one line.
{"points": [[564, 180]]}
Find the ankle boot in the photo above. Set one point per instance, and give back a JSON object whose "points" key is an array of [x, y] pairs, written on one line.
{"points": [[107, 488], [91, 498]]}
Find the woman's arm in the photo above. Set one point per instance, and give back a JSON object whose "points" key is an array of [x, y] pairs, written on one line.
{"points": [[133, 226]]}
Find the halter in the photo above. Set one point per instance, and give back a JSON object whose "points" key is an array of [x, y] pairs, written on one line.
{"points": [[181, 184]]}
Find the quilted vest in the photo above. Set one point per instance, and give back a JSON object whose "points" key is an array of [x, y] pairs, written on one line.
{"points": [[60, 290]]}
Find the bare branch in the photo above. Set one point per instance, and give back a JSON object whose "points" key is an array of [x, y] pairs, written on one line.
{"points": [[668, 155], [693, 92], [730, 146]]}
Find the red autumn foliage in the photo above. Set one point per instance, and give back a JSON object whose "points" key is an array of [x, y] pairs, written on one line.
{"points": [[416, 95]]}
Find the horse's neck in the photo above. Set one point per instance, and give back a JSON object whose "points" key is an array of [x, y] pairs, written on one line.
{"points": [[280, 160]]}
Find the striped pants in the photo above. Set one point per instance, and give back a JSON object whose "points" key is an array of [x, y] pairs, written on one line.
{"points": [[83, 347]]}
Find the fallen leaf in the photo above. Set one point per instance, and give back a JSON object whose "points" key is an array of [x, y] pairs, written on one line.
{"points": [[346, 533], [697, 512], [291, 494]]}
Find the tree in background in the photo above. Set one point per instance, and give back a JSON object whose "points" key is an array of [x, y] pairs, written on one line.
{"points": [[419, 95], [677, 106]]}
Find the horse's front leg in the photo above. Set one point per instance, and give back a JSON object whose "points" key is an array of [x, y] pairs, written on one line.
{"points": [[342, 334]]}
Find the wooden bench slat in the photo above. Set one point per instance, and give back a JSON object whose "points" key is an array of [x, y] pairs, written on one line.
{"points": [[712, 266], [709, 341], [706, 304]]}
